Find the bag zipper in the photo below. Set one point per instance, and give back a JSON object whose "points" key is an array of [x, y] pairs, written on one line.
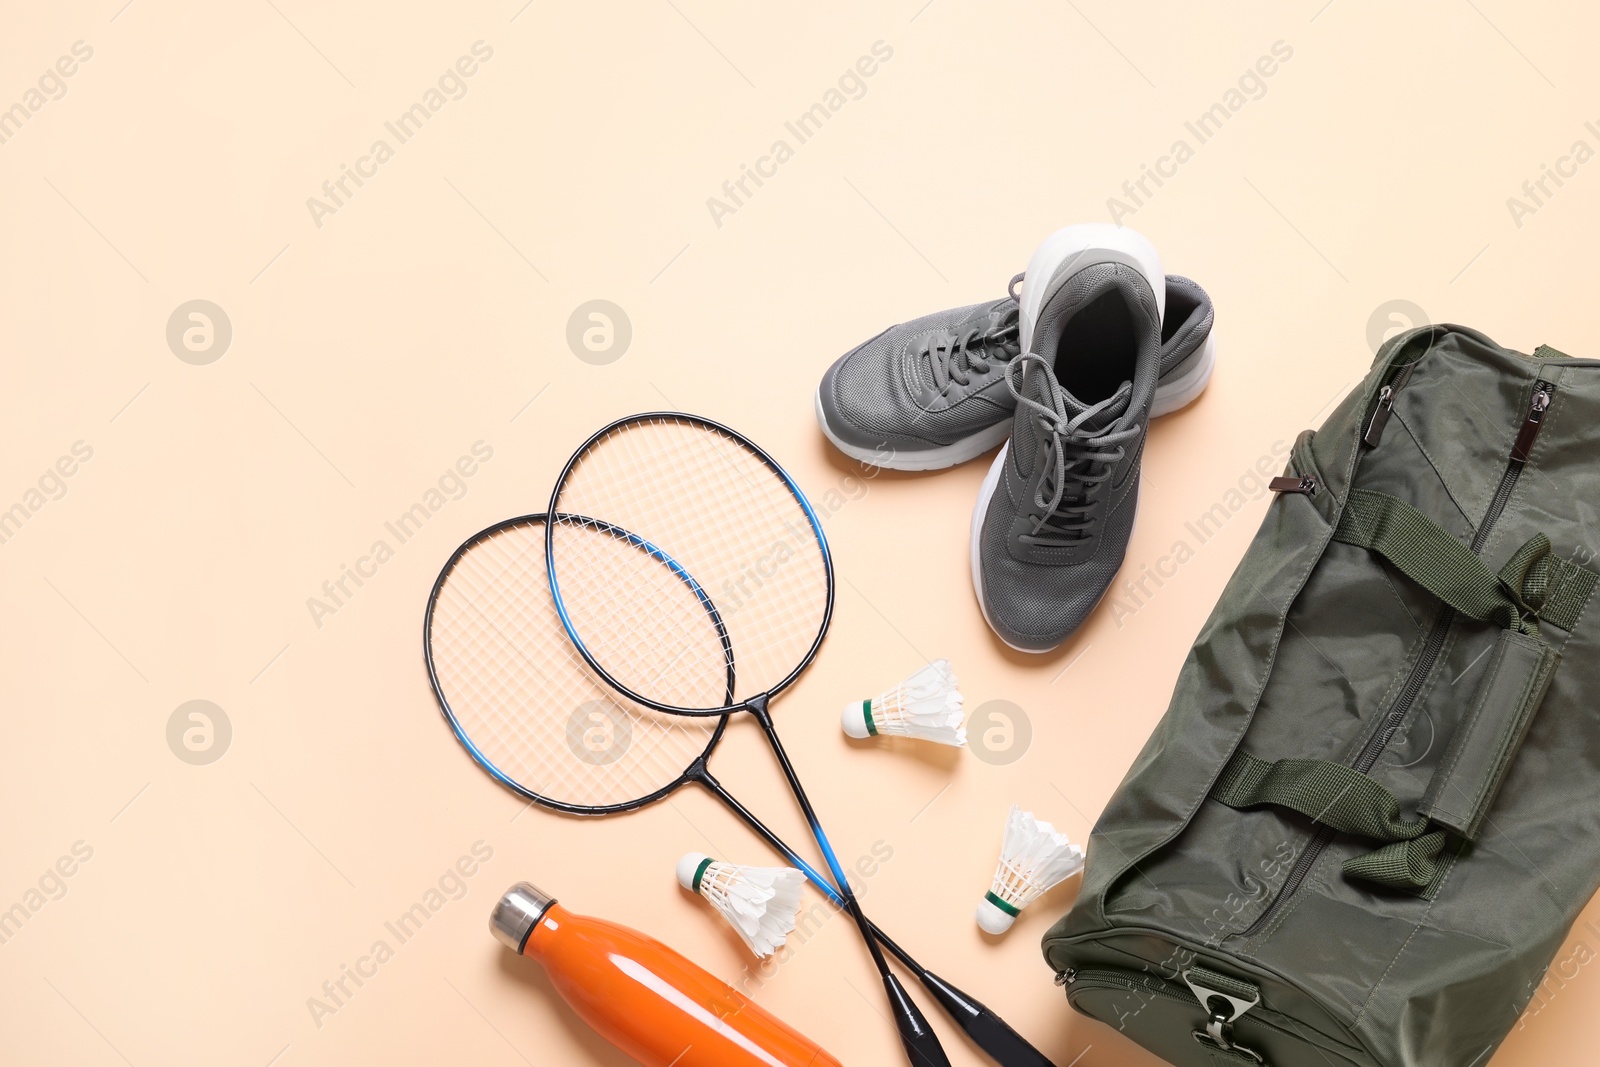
{"points": [[1533, 423], [1527, 434], [1073, 978], [1386, 397], [1294, 483], [1219, 1032]]}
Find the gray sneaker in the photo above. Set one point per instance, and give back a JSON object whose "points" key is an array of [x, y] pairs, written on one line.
{"points": [[926, 394], [930, 393], [1055, 511]]}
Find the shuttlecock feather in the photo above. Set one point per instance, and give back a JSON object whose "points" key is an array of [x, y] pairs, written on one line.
{"points": [[927, 706], [1034, 859], [760, 903]]}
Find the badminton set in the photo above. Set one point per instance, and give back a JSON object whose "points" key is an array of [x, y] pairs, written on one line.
{"points": [[591, 659]]}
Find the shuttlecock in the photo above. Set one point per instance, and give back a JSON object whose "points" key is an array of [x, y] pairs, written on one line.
{"points": [[1034, 859], [927, 705], [759, 902]]}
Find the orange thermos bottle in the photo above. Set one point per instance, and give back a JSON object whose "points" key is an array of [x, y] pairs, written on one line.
{"points": [[644, 998]]}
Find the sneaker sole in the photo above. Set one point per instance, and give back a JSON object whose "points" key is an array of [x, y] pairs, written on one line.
{"points": [[923, 459], [991, 482], [1178, 393]]}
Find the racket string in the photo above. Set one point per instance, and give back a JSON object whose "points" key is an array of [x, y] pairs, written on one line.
{"points": [[526, 700], [655, 657], [716, 509]]}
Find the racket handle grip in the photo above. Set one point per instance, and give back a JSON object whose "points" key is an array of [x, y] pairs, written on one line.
{"points": [[644, 998], [921, 1043], [988, 1031]]}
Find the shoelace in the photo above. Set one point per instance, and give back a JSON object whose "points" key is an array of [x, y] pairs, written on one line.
{"points": [[955, 357], [1077, 459]]}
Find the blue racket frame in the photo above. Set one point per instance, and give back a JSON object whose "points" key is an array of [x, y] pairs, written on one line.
{"points": [[540, 518], [732, 705]]}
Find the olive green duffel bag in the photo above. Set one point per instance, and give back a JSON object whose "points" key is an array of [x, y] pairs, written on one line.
{"points": [[1372, 811]]}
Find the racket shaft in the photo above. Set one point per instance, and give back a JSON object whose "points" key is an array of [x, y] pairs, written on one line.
{"points": [[921, 1043], [758, 708], [987, 1030]]}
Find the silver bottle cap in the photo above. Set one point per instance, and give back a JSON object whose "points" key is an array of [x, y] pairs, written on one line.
{"points": [[518, 912]]}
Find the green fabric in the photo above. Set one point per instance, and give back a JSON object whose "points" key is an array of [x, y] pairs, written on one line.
{"points": [[1345, 799], [1230, 1057], [1411, 865], [1308, 649], [1329, 793], [1555, 589], [1534, 584], [1232, 987], [1429, 556], [1486, 741], [1527, 573], [1475, 765], [866, 713]]}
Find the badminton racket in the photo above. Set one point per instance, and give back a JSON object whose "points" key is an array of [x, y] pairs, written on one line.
{"points": [[531, 713], [724, 513]]}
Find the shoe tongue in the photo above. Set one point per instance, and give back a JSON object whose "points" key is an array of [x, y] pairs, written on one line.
{"points": [[1105, 417]]}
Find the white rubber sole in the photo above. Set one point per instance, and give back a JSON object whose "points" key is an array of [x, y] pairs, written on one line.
{"points": [[1180, 392], [991, 482], [923, 459], [1074, 248]]}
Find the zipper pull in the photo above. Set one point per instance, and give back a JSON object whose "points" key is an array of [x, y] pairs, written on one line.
{"points": [[1290, 483], [1533, 422], [1380, 414], [1380, 417], [1066, 977]]}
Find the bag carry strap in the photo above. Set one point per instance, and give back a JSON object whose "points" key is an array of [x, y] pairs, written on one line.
{"points": [[1458, 799], [1535, 584], [1346, 800], [1325, 792]]}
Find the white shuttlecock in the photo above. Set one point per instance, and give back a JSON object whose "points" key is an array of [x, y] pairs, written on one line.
{"points": [[1034, 859], [759, 902], [927, 705]]}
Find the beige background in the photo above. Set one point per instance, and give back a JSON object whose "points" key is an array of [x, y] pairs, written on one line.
{"points": [[430, 312]]}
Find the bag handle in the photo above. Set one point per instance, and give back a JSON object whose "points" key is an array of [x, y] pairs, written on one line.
{"points": [[1343, 798], [1534, 584]]}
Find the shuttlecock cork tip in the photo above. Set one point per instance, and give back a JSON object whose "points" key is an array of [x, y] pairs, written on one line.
{"points": [[856, 719], [992, 920], [690, 868]]}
